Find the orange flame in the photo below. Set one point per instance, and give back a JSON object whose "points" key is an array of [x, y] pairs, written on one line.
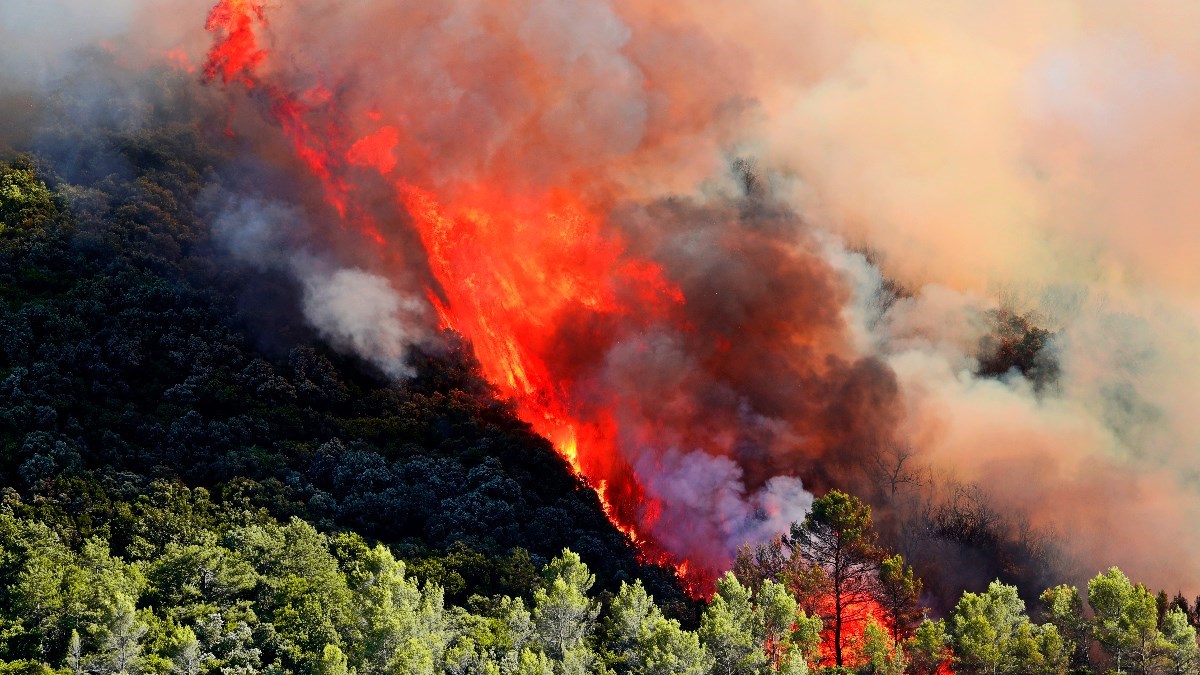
{"points": [[512, 270], [855, 618]]}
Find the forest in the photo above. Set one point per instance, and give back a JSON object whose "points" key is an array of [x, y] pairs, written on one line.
{"points": [[187, 493]]}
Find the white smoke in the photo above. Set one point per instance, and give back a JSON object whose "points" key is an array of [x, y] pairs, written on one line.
{"points": [[1044, 150], [37, 35], [364, 313], [42, 40], [255, 230], [354, 309]]}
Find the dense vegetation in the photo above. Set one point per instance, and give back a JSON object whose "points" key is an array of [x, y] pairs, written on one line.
{"points": [[225, 590], [123, 364]]}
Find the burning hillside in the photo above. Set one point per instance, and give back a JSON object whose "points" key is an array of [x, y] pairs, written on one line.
{"points": [[725, 260], [664, 365]]}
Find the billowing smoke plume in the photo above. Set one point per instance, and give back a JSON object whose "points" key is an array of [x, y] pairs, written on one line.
{"points": [[552, 179], [1040, 157]]}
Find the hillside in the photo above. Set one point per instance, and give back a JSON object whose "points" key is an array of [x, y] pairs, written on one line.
{"points": [[140, 415], [196, 478]]}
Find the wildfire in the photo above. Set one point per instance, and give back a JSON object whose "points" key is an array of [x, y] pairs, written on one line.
{"points": [[514, 271], [510, 270], [854, 625]]}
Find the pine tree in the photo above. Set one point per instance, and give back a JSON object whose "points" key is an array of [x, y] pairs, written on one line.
{"points": [[728, 629], [75, 653], [899, 594], [1062, 607], [990, 633], [518, 623], [641, 641], [1126, 621], [563, 615], [230, 646], [1180, 637], [837, 536], [123, 644], [333, 662], [928, 648], [790, 638], [1181, 603], [533, 663], [777, 561], [881, 654], [188, 658]]}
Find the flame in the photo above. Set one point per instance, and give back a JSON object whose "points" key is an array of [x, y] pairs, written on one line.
{"points": [[377, 150], [854, 624], [511, 269], [236, 54]]}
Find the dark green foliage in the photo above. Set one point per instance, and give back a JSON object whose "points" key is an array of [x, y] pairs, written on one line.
{"points": [[260, 595], [233, 590], [183, 494]]}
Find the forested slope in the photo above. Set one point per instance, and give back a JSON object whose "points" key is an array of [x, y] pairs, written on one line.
{"points": [[140, 419]]}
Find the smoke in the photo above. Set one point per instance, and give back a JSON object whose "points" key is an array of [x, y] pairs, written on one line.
{"points": [[1037, 158], [680, 351], [361, 311], [38, 36], [704, 499], [353, 309], [552, 177], [42, 41]]}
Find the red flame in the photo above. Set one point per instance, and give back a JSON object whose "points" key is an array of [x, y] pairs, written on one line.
{"points": [[517, 273], [512, 269], [854, 625], [236, 54], [377, 150]]}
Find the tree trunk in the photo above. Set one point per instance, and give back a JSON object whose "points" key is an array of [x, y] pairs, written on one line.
{"points": [[837, 604]]}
